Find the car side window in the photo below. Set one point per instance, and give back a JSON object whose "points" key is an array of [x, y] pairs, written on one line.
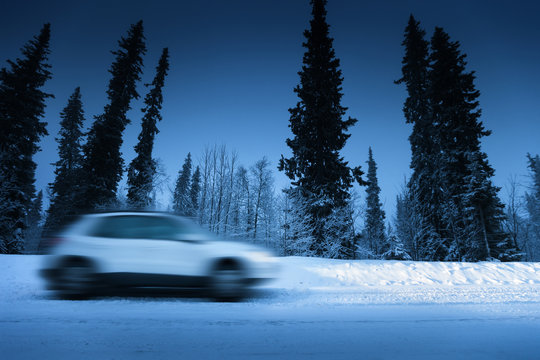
{"points": [[138, 227], [160, 228]]}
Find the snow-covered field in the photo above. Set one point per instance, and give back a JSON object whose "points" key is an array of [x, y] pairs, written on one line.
{"points": [[317, 308]]}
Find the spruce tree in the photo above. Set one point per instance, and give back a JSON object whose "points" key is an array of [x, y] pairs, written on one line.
{"points": [[405, 224], [395, 249], [142, 169], [316, 169], [472, 212], [22, 106], [103, 163], [194, 191], [66, 189], [375, 236], [532, 198], [534, 167], [455, 207], [415, 77], [181, 196], [7, 210], [423, 186]]}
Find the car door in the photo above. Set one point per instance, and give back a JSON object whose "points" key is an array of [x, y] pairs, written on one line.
{"points": [[176, 249], [123, 246]]}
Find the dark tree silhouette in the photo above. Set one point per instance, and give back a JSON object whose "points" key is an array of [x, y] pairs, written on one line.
{"points": [[454, 206], [472, 211], [316, 168], [533, 196], [194, 192], [22, 106], [375, 236], [532, 202], [423, 186], [142, 169], [103, 163], [181, 196], [66, 189]]}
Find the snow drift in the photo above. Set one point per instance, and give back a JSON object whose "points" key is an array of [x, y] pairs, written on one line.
{"points": [[314, 272], [323, 281]]}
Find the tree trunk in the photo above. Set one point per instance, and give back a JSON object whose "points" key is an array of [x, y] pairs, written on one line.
{"points": [[482, 223]]}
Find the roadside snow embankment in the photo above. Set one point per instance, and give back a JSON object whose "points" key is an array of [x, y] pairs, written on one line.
{"points": [[299, 272], [303, 281], [306, 281]]}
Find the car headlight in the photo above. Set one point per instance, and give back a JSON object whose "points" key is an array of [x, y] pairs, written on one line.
{"points": [[259, 255]]}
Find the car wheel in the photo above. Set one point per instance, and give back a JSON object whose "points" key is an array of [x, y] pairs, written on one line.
{"points": [[228, 282], [77, 280]]}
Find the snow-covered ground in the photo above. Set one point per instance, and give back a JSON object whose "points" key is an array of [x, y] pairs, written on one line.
{"points": [[317, 308]]}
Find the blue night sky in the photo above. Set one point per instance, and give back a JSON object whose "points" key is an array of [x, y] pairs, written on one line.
{"points": [[234, 65]]}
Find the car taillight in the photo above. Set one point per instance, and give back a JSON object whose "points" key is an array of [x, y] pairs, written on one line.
{"points": [[56, 241], [48, 244]]}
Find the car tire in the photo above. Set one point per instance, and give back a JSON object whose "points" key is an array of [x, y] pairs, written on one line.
{"points": [[76, 280], [228, 282]]}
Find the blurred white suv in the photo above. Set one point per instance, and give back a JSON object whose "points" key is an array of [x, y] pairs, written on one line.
{"points": [[135, 249]]}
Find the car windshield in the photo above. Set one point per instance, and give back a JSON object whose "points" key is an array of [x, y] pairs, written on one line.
{"points": [[149, 227]]}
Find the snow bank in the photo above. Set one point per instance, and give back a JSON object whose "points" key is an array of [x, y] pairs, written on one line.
{"points": [[307, 281], [19, 276], [312, 280], [300, 272]]}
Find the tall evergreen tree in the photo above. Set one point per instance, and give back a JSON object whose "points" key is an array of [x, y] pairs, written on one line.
{"points": [[455, 206], [375, 235], [65, 190], [316, 168], [194, 192], [423, 186], [22, 106], [181, 196], [473, 213], [103, 163], [142, 169]]}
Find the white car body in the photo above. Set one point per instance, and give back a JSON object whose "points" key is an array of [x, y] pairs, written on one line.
{"points": [[164, 250]]}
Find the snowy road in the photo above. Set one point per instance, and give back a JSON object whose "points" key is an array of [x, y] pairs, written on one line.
{"points": [[281, 321], [193, 329]]}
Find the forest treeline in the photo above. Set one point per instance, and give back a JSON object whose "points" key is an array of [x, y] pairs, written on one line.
{"points": [[448, 209]]}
